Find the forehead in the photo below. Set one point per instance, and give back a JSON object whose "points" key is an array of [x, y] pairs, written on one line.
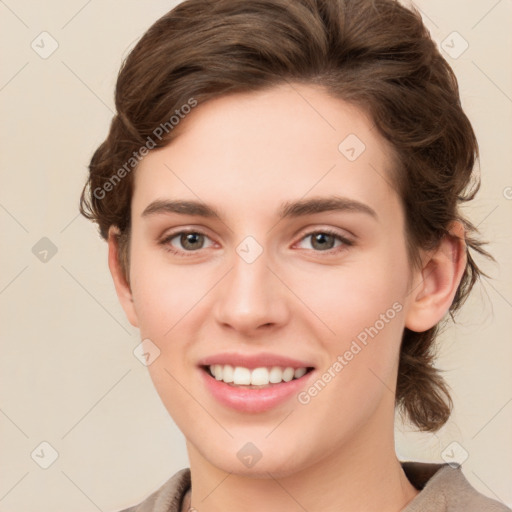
{"points": [[256, 149]]}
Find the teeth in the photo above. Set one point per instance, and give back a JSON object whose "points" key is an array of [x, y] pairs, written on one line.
{"points": [[227, 373], [217, 371], [241, 376], [299, 372], [288, 374], [275, 375], [259, 377]]}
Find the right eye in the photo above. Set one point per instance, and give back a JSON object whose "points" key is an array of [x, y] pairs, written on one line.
{"points": [[190, 242]]}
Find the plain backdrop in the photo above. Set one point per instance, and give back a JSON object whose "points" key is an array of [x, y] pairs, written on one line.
{"points": [[70, 379]]}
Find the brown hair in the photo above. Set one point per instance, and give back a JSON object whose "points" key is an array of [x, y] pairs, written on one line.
{"points": [[375, 54]]}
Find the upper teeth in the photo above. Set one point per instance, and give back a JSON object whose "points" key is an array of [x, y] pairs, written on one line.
{"points": [[240, 375]]}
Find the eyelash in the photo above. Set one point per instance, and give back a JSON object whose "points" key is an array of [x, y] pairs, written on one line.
{"points": [[165, 242]]}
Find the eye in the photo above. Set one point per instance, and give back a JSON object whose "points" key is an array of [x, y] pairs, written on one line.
{"points": [[325, 240], [188, 241]]}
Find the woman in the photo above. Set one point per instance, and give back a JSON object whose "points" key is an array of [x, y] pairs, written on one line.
{"points": [[280, 193]]}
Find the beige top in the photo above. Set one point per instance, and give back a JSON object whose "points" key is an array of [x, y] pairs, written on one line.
{"points": [[443, 488]]}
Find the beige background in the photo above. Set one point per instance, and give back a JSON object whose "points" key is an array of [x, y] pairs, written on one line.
{"points": [[69, 376]]}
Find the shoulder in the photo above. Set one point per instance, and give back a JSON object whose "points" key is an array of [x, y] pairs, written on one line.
{"points": [[168, 497], [445, 488]]}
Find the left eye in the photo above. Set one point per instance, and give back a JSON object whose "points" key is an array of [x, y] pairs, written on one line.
{"points": [[325, 240]]}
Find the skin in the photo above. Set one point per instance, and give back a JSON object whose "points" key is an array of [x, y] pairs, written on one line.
{"points": [[244, 155]]}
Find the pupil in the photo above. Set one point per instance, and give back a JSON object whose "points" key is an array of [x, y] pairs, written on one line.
{"points": [[189, 239], [321, 239]]}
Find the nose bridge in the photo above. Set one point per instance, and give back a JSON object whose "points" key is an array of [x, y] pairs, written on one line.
{"points": [[251, 296]]}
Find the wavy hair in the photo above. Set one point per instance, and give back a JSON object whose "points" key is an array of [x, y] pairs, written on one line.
{"points": [[374, 54]]}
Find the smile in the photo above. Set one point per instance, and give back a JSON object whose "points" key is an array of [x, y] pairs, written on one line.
{"points": [[257, 377], [254, 383]]}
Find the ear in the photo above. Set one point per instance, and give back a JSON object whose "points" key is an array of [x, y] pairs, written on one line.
{"points": [[439, 278], [123, 290]]}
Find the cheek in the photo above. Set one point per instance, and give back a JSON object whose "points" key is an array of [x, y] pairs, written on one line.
{"points": [[166, 299], [165, 294], [353, 296], [362, 303]]}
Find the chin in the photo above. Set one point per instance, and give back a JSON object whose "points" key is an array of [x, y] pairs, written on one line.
{"points": [[251, 462]]}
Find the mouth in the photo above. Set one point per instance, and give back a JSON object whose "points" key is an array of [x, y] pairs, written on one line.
{"points": [[254, 384], [255, 378]]}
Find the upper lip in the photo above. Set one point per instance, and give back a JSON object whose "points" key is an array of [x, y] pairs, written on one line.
{"points": [[263, 359]]}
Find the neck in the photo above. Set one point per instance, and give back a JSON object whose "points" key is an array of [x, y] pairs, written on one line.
{"points": [[363, 475]]}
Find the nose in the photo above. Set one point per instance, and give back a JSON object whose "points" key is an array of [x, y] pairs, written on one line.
{"points": [[251, 297]]}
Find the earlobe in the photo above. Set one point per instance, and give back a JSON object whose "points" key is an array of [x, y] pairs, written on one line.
{"points": [[122, 287], [435, 286]]}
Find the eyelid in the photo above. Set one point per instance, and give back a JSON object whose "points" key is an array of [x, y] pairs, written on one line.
{"points": [[184, 230]]}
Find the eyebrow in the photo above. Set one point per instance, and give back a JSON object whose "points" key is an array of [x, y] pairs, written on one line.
{"points": [[289, 209]]}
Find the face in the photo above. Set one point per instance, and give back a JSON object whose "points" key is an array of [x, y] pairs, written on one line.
{"points": [[268, 235]]}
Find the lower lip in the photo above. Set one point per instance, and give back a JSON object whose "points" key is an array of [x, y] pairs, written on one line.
{"points": [[253, 400]]}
